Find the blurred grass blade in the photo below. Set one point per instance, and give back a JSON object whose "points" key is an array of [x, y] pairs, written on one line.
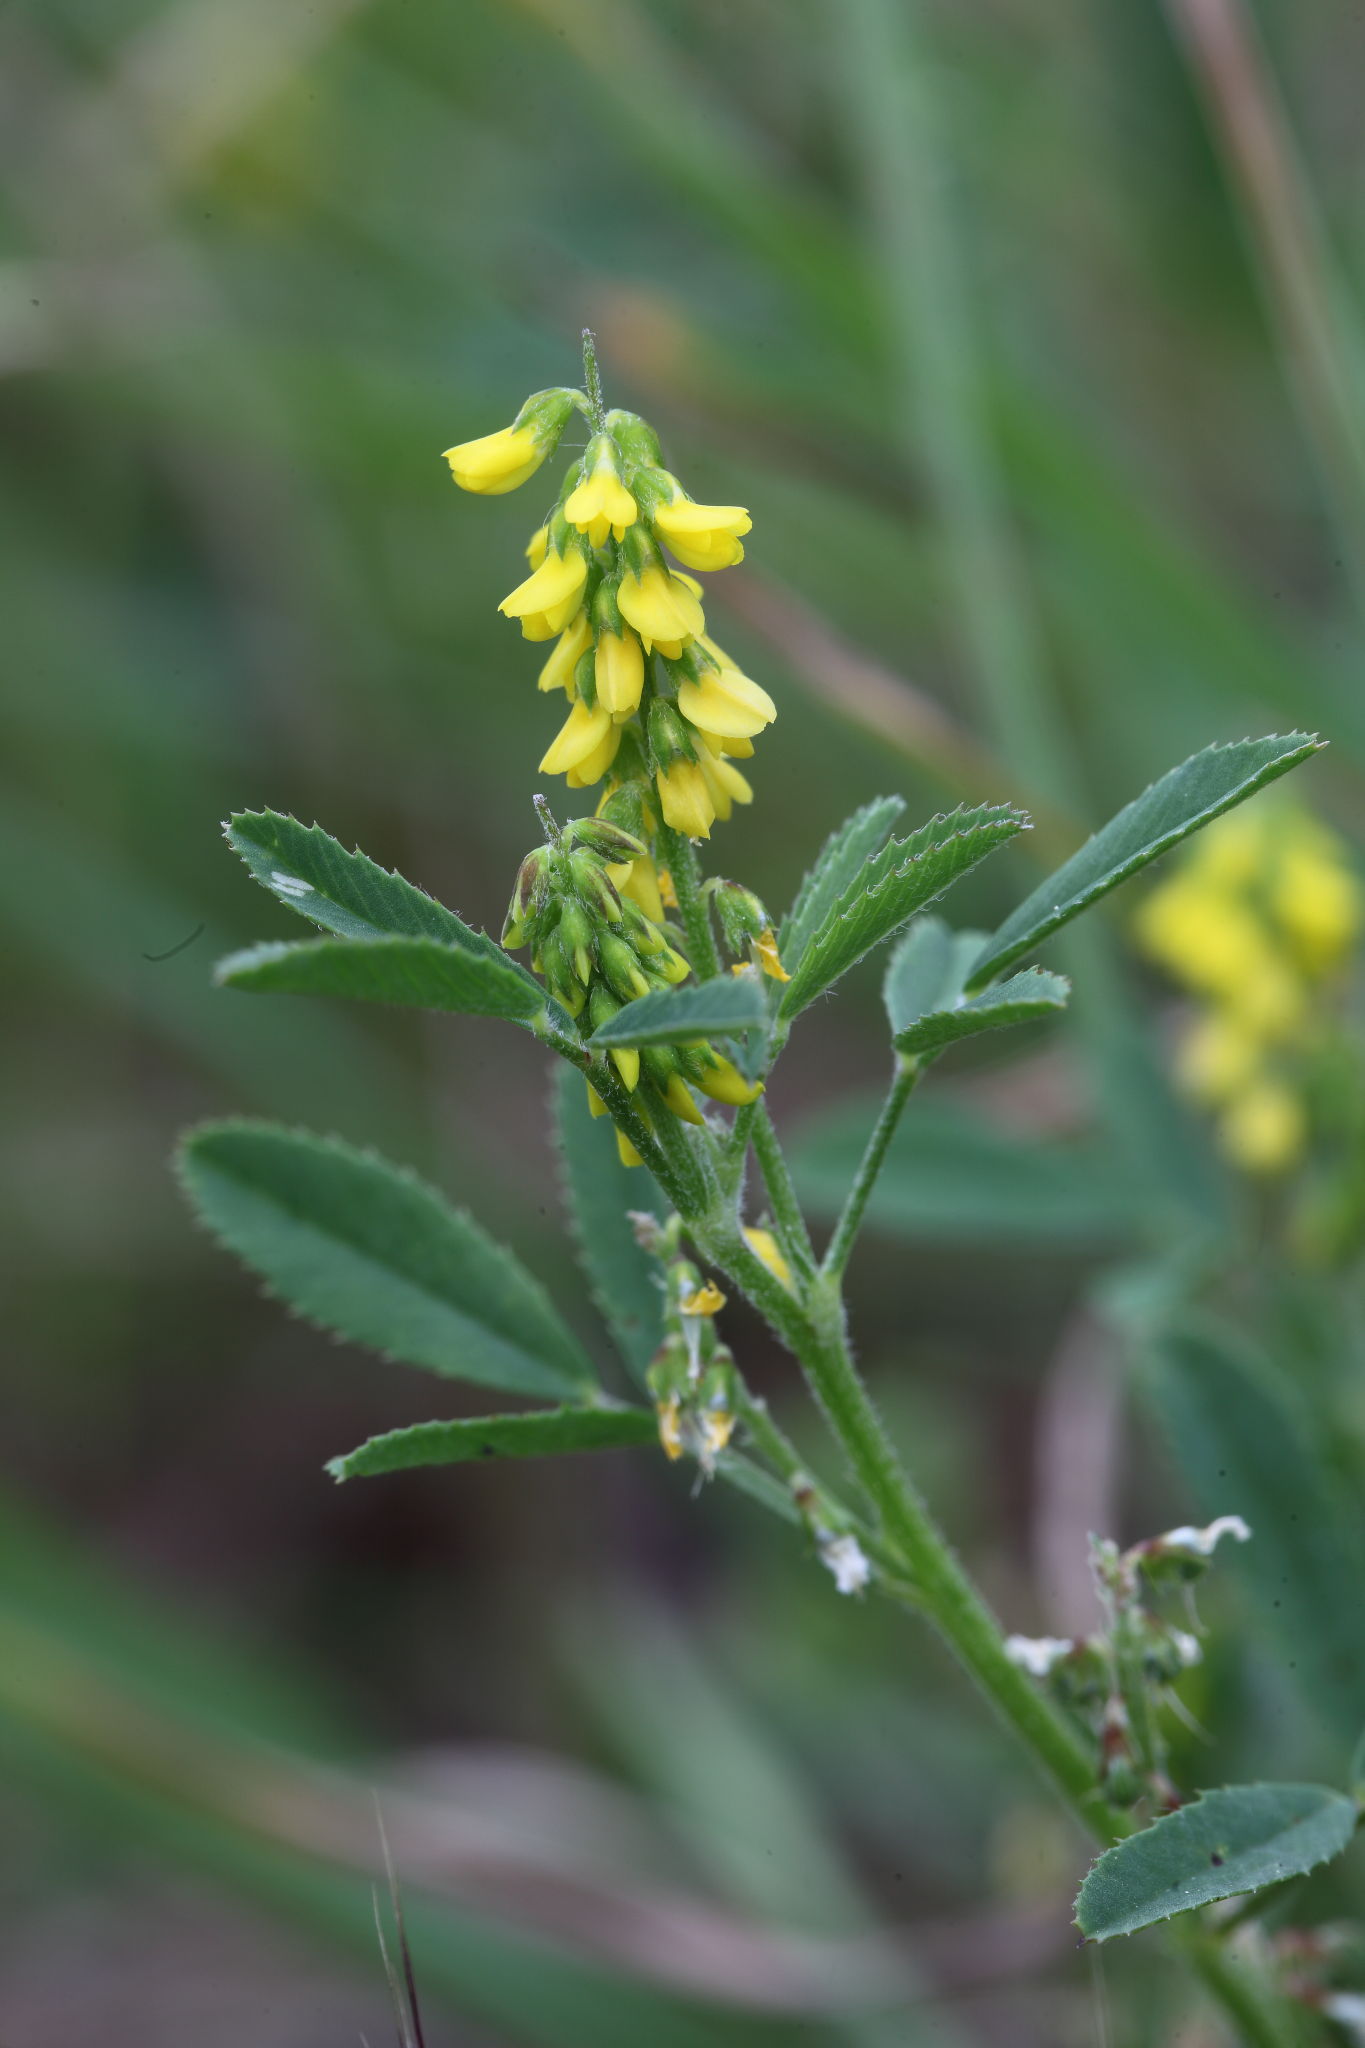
{"points": [[952, 1176], [367, 1250], [1320, 345], [1199, 790], [418, 974], [599, 1195], [1223, 1843], [1243, 1439], [540, 1435], [673, 1015], [905, 876]]}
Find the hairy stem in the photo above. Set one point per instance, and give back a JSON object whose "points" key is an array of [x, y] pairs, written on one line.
{"points": [[593, 381], [850, 1221], [781, 1192], [680, 858]]}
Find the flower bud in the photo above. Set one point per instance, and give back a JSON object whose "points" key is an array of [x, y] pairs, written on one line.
{"points": [[577, 935], [595, 888], [635, 438], [621, 968], [669, 740], [526, 897], [557, 966], [609, 841]]}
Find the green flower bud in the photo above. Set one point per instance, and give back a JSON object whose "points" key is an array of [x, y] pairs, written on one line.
{"points": [[669, 739], [635, 438], [609, 841], [741, 914], [576, 934], [621, 968], [526, 897], [557, 966], [595, 888]]}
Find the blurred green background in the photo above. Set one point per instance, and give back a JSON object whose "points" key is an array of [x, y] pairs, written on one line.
{"points": [[1027, 333]]}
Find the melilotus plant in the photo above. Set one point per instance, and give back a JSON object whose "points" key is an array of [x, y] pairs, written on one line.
{"points": [[668, 996]]}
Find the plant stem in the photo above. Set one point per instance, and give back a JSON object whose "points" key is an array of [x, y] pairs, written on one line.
{"points": [[593, 381], [680, 858], [781, 1192], [846, 1230], [1263, 2019]]}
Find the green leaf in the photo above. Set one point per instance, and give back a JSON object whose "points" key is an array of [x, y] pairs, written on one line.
{"points": [[423, 974], [669, 1016], [599, 1193], [841, 858], [1226, 1842], [924, 997], [886, 892], [305, 868], [1199, 789], [540, 1435], [952, 1176], [1245, 1442], [369, 1251], [927, 969]]}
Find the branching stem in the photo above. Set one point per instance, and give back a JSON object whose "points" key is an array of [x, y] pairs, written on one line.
{"points": [[846, 1230]]}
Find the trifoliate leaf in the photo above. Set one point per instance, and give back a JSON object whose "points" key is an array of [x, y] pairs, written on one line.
{"points": [[903, 878], [842, 856], [1022, 999], [1198, 790], [369, 1251], [1236, 1840], [927, 969]]}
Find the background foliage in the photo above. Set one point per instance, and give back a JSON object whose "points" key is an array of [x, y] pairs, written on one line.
{"points": [[1051, 417]]}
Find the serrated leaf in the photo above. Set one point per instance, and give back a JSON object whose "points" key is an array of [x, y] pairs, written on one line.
{"points": [[841, 858], [540, 1435], [1244, 1440], [1022, 999], [1234, 1840], [953, 1176], [670, 1016], [349, 894], [904, 877], [369, 1251], [423, 974], [927, 969], [600, 1192], [1199, 790]]}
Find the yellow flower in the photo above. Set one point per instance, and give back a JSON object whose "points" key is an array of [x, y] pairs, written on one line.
{"points": [[1317, 902], [548, 598], [596, 1106], [706, 1300], [725, 786], [601, 504], [619, 668], [766, 954], [573, 644], [670, 1436], [497, 462], [766, 1247], [678, 1097], [1264, 1129], [702, 536], [1218, 1059], [1210, 940], [685, 798], [630, 1157], [627, 1064], [723, 1082], [639, 880], [538, 546], [663, 611], [595, 764], [582, 732], [725, 702]]}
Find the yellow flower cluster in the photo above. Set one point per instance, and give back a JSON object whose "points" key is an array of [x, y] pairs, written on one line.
{"points": [[1256, 922], [651, 696]]}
